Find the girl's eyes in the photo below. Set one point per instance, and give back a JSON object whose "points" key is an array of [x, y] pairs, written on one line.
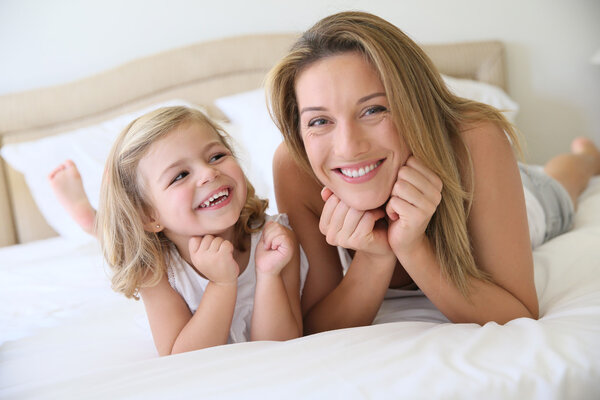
{"points": [[216, 157], [179, 176]]}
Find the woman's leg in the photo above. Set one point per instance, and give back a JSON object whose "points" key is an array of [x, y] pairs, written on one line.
{"points": [[66, 182], [574, 170]]}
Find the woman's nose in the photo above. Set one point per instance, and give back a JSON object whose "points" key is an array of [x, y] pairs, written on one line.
{"points": [[350, 141]]}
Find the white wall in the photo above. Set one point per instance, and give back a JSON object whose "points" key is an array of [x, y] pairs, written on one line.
{"points": [[549, 44]]}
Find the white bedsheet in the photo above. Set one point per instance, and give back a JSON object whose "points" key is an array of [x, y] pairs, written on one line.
{"points": [[65, 334]]}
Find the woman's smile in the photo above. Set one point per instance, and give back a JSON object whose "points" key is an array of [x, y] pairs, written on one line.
{"points": [[349, 136]]}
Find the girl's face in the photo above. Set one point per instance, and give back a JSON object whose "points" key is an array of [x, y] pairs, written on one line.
{"points": [[195, 185], [348, 133]]}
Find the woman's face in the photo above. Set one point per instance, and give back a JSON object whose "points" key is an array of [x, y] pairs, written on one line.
{"points": [[349, 136]]}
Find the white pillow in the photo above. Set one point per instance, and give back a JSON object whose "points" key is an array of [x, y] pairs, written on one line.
{"points": [[88, 147], [257, 136], [484, 93]]}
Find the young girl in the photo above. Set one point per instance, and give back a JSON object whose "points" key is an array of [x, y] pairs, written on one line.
{"points": [[421, 185], [180, 224]]}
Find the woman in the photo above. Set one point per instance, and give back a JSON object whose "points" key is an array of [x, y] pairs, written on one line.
{"points": [[422, 186]]}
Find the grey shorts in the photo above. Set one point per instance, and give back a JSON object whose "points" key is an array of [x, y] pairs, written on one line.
{"points": [[553, 197]]}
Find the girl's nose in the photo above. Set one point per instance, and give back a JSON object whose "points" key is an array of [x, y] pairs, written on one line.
{"points": [[350, 141], [207, 175]]}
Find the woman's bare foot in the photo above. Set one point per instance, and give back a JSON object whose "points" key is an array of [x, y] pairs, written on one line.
{"points": [[585, 146], [66, 183]]}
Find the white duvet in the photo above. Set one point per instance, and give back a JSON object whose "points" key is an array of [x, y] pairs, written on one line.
{"points": [[65, 334]]}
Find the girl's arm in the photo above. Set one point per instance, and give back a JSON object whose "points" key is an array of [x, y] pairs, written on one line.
{"points": [[497, 226], [329, 299], [276, 314], [176, 330]]}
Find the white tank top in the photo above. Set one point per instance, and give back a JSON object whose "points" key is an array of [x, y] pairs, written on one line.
{"points": [[191, 286]]}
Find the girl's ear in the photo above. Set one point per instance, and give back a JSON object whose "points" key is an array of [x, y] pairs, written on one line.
{"points": [[151, 224]]}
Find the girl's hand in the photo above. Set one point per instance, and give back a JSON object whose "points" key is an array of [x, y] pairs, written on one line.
{"points": [[275, 248], [213, 257], [415, 197], [352, 229]]}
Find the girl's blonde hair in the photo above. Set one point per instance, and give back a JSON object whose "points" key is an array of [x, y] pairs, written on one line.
{"points": [[137, 257], [425, 112]]}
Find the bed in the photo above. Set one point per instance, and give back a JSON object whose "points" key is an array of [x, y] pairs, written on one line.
{"points": [[65, 334]]}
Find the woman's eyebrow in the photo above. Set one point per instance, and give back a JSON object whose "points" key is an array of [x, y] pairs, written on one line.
{"points": [[361, 100], [369, 97], [312, 109]]}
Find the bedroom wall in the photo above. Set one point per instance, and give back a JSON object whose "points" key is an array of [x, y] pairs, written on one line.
{"points": [[549, 44]]}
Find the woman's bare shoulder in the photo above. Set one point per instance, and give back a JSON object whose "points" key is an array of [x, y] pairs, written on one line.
{"points": [[294, 186]]}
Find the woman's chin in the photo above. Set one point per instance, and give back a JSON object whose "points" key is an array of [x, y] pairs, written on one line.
{"points": [[364, 204]]}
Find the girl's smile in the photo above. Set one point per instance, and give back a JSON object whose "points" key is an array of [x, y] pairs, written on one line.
{"points": [[218, 199]]}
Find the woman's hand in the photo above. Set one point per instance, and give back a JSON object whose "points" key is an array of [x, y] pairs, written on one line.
{"points": [[352, 229], [415, 197], [275, 249], [213, 257]]}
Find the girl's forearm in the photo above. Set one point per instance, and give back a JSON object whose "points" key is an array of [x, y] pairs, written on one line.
{"points": [[210, 324], [486, 301], [356, 300], [272, 316]]}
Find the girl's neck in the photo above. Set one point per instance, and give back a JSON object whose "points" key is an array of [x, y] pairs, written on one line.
{"points": [[242, 257]]}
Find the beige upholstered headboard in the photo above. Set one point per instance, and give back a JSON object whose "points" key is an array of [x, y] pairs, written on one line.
{"points": [[198, 73]]}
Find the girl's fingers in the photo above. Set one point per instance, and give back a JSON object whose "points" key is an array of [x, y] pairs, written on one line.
{"points": [[194, 244]]}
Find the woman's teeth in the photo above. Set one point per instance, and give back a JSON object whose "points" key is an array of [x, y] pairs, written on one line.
{"points": [[355, 173], [221, 196]]}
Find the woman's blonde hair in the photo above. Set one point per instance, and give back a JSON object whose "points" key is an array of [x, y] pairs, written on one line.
{"points": [[426, 113], [138, 257]]}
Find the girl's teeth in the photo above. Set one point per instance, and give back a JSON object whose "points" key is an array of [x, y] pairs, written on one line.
{"points": [[222, 193], [355, 173]]}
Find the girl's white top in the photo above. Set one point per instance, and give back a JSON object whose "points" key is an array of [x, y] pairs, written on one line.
{"points": [[191, 286]]}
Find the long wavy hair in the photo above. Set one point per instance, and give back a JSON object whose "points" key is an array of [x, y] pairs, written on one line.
{"points": [[137, 257], [429, 116]]}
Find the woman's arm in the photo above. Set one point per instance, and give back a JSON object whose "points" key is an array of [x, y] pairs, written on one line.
{"points": [[497, 226], [176, 330], [276, 314], [329, 300]]}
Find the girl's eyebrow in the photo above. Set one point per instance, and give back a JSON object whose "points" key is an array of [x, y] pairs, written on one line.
{"points": [[361, 100], [207, 148]]}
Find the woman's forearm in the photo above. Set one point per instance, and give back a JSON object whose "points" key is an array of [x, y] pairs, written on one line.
{"points": [[486, 301], [356, 300]]}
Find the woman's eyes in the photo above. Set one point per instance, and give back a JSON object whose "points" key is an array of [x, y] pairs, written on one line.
{"points": [[375, 110], [317, 122], [371, 110]]}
